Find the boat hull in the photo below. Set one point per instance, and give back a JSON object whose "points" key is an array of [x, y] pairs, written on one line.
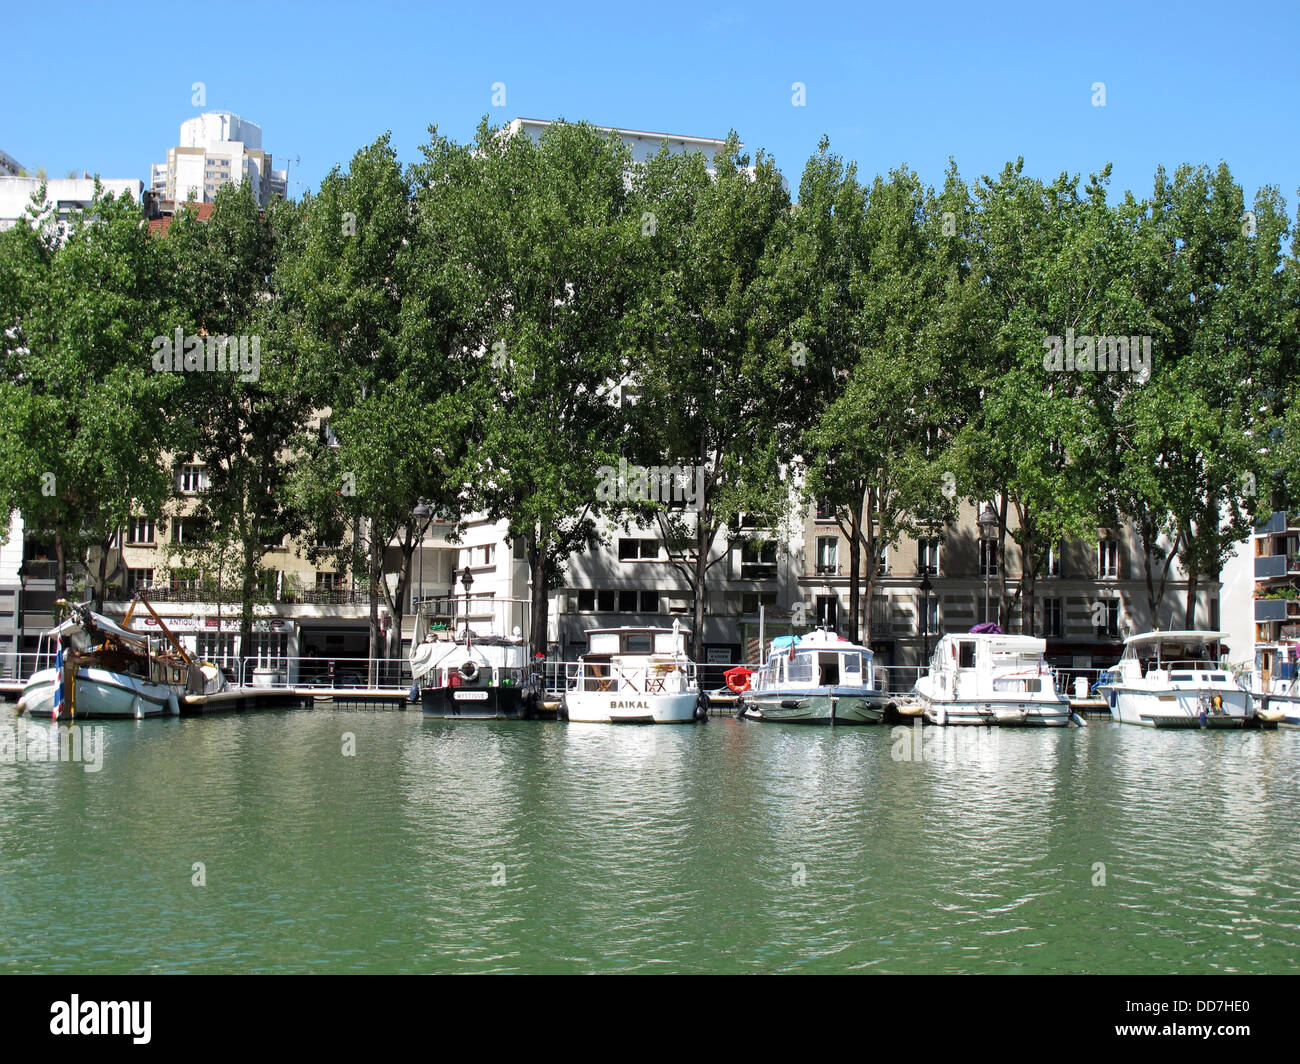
{"points": [[101, 695], [477, 703], [816, 706], [599, 707], [1287, 705], [999, 712], [1179, 709]]}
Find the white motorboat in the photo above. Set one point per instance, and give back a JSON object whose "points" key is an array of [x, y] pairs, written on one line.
{"points": [[105, 670], [991, 678], [817, 678], [1175, 680], [634, 676]]}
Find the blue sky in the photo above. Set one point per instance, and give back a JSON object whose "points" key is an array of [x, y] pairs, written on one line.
{"points": [[101, 88]]}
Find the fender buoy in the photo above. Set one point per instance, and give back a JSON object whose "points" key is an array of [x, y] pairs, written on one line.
{"points": [[469, 670], [702, 707], [738, 679]]}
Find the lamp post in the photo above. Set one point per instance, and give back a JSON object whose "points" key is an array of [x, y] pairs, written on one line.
{"points": [[467, 581], [926, 588], [424, 514], [988, 523]]}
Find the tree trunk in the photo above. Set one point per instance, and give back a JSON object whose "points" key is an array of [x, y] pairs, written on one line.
{"points": [[1192, 578], [703, 541], [375, 575], [855, 572], [102, 577], [538, 537], [61, 567]]}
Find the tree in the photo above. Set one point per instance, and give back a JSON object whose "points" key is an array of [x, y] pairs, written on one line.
{"points": [[367, 278], [712, 374], [85, 418], [543, 236], [875, 450], [245, 422]]}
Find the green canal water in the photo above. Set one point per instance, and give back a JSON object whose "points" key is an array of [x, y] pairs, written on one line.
{"points": [[729, 846]]}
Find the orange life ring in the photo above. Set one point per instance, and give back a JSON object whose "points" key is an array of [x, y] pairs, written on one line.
{"points": [[737, 679]]}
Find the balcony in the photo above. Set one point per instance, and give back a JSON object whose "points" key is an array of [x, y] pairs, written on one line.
{"points": [[1277, 522], [1271, 566], [1270, 609]]}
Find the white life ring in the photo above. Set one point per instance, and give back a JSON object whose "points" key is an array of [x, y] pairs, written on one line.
{"points": [[468, 671]]}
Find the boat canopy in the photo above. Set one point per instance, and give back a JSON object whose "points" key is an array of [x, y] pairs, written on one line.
{"points": [[1175, 636]]}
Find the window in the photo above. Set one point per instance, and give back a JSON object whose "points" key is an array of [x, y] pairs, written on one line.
{"points": [[327, 581], [187, 530], [606, 601], [966, 654], [649, 601], [191, 479], [883, 568], [825, 510], [1106, 617], [140, 530], [927, 556], [751, 600], [758, 561], [1053, 617], [630, 550], [828, 610], [185, 579], [932, 618], [988, 557], [138, 578], [1053, 560], [627, 601], [586, 600], [1107, 559], [483, 556], [827, 549]]}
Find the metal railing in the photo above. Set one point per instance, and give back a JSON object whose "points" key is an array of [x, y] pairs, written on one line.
{"points": [[662, 677], [321, 673]]}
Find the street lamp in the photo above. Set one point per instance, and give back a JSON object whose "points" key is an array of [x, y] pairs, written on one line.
{"points": [[926, 588], [422, 513], [988, 522], [467, 581]]}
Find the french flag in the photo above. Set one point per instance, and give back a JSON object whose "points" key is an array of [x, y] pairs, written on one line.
{"points": [[58, 689]]}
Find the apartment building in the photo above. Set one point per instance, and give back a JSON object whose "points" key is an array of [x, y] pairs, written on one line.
{"points": [[215, 149], [64, 195], [1277, 597]]}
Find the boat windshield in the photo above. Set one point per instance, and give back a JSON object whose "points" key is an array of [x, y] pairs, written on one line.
{"points": [[803, 668]]}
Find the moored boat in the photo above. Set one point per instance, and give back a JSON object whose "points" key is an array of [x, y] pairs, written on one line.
{"points": [[634, 675], [990, 677], [105, 670], [1175, 679], [473, 667], [817, 678]]}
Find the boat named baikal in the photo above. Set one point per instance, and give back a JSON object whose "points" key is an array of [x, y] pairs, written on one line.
{"points": [[989, 677], [817, 678], [105, 670], [1175, 680], [634, 675]]}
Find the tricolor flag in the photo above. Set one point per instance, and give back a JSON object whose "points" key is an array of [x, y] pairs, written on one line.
{"points": [[58, 689]]}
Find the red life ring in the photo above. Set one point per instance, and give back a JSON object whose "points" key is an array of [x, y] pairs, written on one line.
{"points": [[738, 679]]}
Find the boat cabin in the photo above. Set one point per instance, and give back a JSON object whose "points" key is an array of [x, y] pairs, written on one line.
{"points": [[646, 660], [817, 660]]}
